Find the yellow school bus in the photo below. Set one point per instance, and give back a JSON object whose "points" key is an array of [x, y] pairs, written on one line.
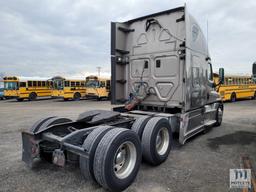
{"points": [[68, 88], [97, 87], [236, 87], [26, 88]]}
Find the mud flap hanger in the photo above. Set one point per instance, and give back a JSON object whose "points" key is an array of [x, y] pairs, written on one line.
{"points": [[150, 22]]}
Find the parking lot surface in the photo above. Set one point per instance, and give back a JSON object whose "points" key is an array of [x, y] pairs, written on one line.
{"points": [[201, 165]]}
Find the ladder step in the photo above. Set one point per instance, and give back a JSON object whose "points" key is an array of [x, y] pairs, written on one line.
{"points": [[209, 123]]}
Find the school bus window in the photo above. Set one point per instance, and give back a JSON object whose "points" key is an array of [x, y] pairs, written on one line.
{"points": [[226, 81], [108, 84], [77, 84], [22, 84], [232, 81], [66, 83], [43, 83], [34, 83], [82, 84], [39, 83], [102, 84], [73, 84], [29, 83]]}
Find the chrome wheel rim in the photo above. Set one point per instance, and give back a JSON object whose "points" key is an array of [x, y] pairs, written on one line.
{"points": [[125, 160], [162, 141]]}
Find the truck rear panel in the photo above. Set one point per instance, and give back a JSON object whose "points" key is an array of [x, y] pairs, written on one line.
{"points": [[147, 49]]}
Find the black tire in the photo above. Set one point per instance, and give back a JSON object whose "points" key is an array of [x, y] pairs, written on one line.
{"points": [[65, 99], [77, 96], [233, 97], [139, 125], [99, 98], [149, 139], [20, 99], [90, 145], [106, 153], [219, 116], [38, 124], [32, 96]]}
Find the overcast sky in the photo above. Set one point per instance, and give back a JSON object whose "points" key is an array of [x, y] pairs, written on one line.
{"points": [[72, 37]]}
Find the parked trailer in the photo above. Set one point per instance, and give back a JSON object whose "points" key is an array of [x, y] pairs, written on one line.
{"points": [[162, 71]]}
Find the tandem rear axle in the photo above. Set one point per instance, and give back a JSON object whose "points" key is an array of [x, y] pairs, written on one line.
{"points": [[107, 145]]}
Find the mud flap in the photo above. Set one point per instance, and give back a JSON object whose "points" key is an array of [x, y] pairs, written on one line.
{"points": [[30, 149]]}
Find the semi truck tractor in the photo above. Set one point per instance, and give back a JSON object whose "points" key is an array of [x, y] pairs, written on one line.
{"points": [[162, 80]]}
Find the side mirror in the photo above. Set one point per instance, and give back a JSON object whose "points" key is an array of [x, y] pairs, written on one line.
{"points": [[221, 75], [254, 71]]}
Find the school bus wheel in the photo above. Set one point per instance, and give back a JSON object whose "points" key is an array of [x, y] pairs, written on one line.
{"points": [[233, 97], [32, 96], [77, 96]]}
